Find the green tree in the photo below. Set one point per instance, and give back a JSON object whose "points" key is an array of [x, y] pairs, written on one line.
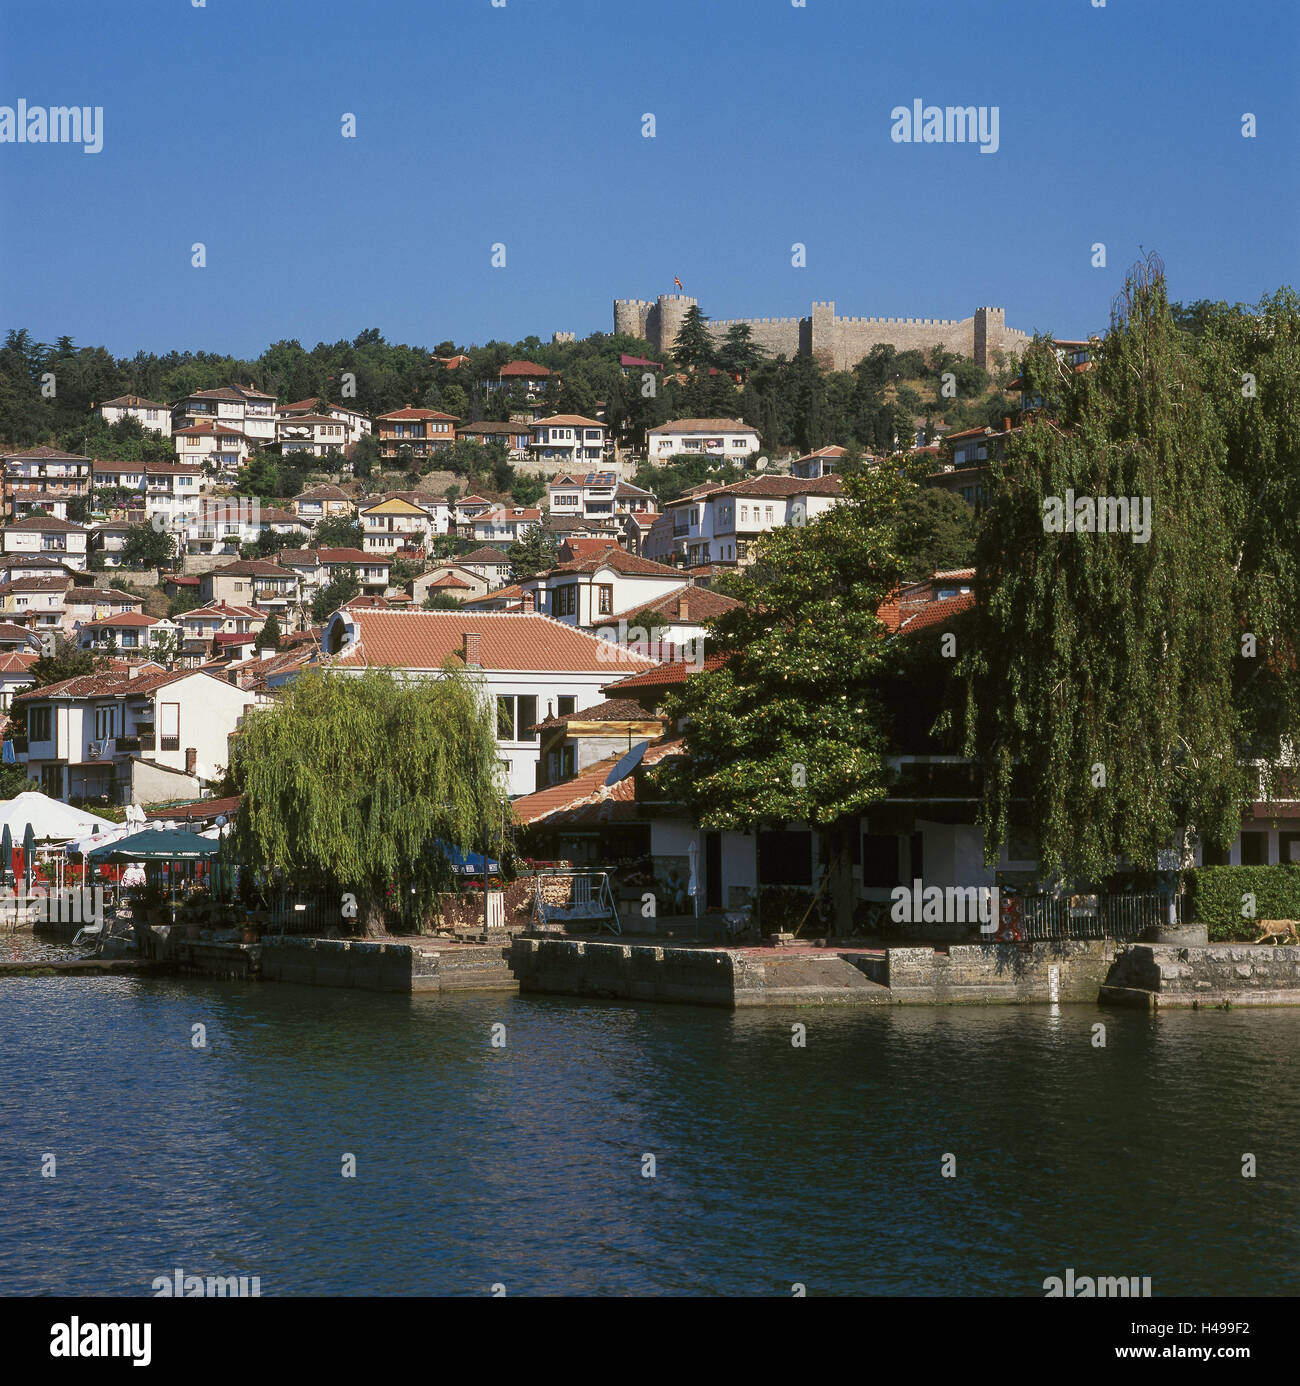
{"points": [[337, 532], [537, 552], [693, 349], [147, 547], [789, 728], [1098, 697], [334, 595], [936, 532], [527, 488], [325, 798], [268, 638], [738, 353]]}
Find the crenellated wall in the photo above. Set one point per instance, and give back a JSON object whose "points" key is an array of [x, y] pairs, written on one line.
{"points": [[837, 343]]}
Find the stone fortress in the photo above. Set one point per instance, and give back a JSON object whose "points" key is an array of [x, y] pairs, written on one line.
{"points": [[836, 343]]}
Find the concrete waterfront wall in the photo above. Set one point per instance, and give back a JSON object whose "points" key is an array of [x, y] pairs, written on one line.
{"points": [[1220, 974], [637, 972], [993, 973]]}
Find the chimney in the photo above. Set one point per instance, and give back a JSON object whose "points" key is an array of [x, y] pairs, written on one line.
{"points": [[469, 650], [191, 759], [1006, 423], [528, 603], [683, 605]]}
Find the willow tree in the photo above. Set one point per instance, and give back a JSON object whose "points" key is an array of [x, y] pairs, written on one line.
{"points": [[1099, 670], [1250, 365], [789, 728], [353, 781]]}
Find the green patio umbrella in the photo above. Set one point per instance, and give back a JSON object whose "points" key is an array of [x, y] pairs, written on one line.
{"points": [[157, 844]]}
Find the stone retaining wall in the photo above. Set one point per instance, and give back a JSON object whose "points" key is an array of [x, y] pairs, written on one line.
{"points": [[1221, 974], [1068, 970], [637, 972]]}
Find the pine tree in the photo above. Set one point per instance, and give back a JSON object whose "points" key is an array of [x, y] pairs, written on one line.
{"points": [[268, 638], [693, 349]]}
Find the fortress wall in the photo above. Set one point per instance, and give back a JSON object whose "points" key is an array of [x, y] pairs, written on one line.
{"points": [[836, 343]]}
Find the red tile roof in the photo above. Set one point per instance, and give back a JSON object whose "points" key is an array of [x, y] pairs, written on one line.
{"points": [[403, 414], [566, 421], [132, 402], [703, 426], [937, 613], [630, 564], [484, 556], [611, 710], [665, 675], [508, 641], [47, 522], [702, 604], [524, 368], [124, 618]]}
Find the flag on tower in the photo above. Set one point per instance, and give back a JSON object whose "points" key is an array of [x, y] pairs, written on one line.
{"points": [[677, 281]]}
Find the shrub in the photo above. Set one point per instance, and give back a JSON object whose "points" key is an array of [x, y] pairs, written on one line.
{"points": [[780, 908], [1215, 897]]}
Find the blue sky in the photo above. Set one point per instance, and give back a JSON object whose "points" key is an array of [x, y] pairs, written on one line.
{"points": [[522, 125]]}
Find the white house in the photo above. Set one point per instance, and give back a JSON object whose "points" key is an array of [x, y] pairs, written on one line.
{"points": [[44, 534], [393, 522], [726, 440], [597, 497], [568, 440], [168, 488], [527, 666], [311, 434], [238, 408], [148, 412], [317, 568], [218, 445], [128, 633], [505, 523], [721, 524], [15, 674], [46, 470], [598, 589], [491, 564], [133, 736], [322, 503], [356, 424]]}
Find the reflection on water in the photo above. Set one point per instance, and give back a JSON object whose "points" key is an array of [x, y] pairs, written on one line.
{"points": [[523, 1164]]}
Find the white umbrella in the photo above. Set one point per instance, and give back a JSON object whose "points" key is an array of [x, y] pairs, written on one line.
{"points": [[88, 844], [51, 820]]}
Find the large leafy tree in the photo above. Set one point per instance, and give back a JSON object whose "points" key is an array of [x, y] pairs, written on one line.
{"points": [[738, 353], [789, 728], [352, 781], [147, 547], [936, 531], [1099, 669], [1250, 365]]}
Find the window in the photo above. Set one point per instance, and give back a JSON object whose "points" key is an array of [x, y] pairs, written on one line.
{"points": [[171, 726], [744, 514], [565, 705], [105, 720], [767, 515], [605, 595], [515, 715], [38, 724], [505, 718]]}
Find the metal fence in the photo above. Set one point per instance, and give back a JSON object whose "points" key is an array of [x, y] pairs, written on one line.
{"points": [[1094, 916], [302, 912]]}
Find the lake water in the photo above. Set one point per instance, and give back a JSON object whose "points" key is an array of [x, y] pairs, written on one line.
{"points": [[523, 1165]]}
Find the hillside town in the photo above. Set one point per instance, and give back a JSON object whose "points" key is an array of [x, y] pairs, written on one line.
{"points": [[588, 570]]}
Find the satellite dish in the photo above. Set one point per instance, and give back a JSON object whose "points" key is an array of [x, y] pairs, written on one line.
{"points": [[625, 766]]}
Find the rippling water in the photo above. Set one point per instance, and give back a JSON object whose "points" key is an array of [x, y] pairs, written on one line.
{"points": [[523, 1165]]}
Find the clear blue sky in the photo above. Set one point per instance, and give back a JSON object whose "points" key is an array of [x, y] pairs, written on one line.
{"points": [[522, 125]]}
